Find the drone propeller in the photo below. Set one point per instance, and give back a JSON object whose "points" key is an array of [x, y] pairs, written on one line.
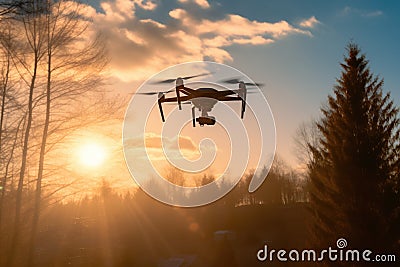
{"points": [[184, 78], [237, 80], [153, 93]]}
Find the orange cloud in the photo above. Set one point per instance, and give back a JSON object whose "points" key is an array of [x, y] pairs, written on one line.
{"points": [[235, 25], [309, 23], [141, 47], [201, 3]]}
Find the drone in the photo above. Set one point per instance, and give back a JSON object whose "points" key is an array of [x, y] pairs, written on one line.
{"points": [[203, 99]]}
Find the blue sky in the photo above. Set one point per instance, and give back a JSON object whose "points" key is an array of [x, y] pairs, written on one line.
{"points": [[301, 71], [298, 66]]}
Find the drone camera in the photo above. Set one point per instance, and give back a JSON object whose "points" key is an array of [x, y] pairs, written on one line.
{"points": [[210, 120]]}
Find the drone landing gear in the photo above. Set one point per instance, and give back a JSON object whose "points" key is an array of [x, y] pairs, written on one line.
{"points": [[193, 116], [161, 98]]}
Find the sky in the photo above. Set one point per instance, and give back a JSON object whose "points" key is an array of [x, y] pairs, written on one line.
{"points": [[293, 47]]}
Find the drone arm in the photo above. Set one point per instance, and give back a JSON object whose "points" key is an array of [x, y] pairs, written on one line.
{"points": [[187, 91], [226, 92], [229, 98], [175, 99]]}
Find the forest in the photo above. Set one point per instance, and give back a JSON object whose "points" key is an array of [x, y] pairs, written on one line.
{"points": [[53, 71]]}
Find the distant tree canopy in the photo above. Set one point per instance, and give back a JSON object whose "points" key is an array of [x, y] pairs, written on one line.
{"points": [[282, 186], [354, 170]]}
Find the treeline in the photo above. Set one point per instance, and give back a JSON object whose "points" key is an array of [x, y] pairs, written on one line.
{"points": [[283, 185], [111, 228]]}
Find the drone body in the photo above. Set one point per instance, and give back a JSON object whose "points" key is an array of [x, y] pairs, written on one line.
{"points": [[203, 99]]}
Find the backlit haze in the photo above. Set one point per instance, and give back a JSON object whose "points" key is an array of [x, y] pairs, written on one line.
{"points": [[293, 47]]}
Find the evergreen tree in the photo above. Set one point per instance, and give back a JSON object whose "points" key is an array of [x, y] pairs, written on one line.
{"points": [[354, 171]]}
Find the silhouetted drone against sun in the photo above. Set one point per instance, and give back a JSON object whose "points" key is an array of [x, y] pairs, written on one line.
{"points": [[203, 98]]}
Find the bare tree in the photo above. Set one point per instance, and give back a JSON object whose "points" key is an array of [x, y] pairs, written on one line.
{"points": [[34, 32], [307, 136], [58, 64], [9, 125], [67, 80]]}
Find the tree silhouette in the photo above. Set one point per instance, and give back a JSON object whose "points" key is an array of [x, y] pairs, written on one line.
{"points": [[51, 74], [14, 7], [354, 165]]}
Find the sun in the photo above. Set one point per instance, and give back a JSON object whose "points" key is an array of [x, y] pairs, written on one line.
{"points": [[92, 154]]}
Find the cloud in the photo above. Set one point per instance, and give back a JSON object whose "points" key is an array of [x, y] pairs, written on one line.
{"points": [[145, 4], [372, 14], [234, 26], [256, 40], [202, 3], [351, 11], [309, 23], [140, 47], [346, 10]]}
